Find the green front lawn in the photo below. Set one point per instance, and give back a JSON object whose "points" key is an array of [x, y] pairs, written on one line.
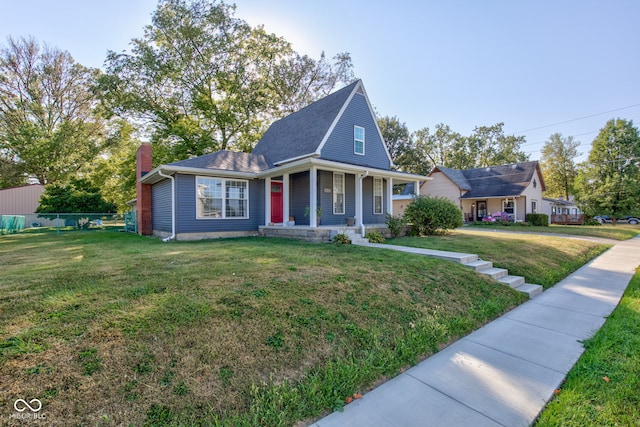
{"points": [[112, 328], [542, 260], [603, 388], [615, 232]]}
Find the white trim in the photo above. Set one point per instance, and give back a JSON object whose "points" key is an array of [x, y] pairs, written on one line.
{"points": [[313, 196], [224, 199], [267, 200], [173, 206], [357, 140], [390, 196], [293, 167], [338, 117], [373, 194], [371, 110], [285, 197], [334, 193]]}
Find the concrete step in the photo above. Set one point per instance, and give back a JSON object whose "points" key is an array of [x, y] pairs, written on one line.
{"points": [[495, 273], [479, 265], [530, 289], [513, 281]]}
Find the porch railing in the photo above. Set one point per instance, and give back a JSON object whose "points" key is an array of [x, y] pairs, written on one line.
{"points": [[567, 219]]}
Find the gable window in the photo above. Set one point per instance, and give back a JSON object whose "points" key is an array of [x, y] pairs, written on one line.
{"points": [[534, 206], [377, 196], [218, 198], [358, 140], [338, 193]]}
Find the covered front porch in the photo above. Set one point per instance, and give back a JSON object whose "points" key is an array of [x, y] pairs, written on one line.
{"points": [[513, 208], [314, 199]]}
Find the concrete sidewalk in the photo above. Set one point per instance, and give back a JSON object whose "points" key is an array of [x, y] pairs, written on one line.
{"points": [[504, 373]]}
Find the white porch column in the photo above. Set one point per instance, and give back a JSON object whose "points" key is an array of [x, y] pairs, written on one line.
{"points": [[313, 196], [359, 219], [416, 188], [515, 209], [285, 197], [267, 201], [390, 196]]}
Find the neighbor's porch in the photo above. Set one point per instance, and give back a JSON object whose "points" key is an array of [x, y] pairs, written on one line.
{"points": [[484, 208]]}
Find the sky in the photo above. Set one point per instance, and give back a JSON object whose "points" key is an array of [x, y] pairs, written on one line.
{"points": [[540, 67]]}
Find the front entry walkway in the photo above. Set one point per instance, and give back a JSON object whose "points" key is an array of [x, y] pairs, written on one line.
{"points": [[504, 373]]}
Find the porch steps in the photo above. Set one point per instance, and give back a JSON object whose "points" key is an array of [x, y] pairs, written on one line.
{"points": [[468, 260]]}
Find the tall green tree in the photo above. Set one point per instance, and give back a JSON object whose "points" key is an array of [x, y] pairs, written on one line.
{"points": [[399, 142], [48, 125], [78, 196], [442, 147], [608, 182], [489, 146], [114, 171], [203, 80], [558, 164]]}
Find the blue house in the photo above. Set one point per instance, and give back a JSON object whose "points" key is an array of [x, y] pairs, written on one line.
{"points": [[318, 170]]}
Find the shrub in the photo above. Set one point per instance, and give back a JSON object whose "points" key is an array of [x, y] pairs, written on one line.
{"points": [[433, 215], [396, 224], [374, 237], [592, 221], [341, 239], [538, 219]]}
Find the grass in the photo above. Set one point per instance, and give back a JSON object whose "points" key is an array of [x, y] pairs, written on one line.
{"points": [[615, 232], [543, 260], [603, 388], [111, 328]]}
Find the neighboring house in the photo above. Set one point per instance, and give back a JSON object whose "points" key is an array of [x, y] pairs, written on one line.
{"points": [[327, 163], [562, 211], [20, 200], [514, 190], [23, 201], [402, 200]]}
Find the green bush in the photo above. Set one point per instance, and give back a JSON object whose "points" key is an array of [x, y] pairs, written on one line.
{"points": [[538, 219], [433, 215], [374, 237], [341, 239], [396, 224]]}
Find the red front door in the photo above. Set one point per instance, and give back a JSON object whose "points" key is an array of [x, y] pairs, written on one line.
{"points": [[276, 202]]}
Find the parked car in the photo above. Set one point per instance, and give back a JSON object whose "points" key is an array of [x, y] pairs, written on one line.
{"points": [[605, 219]]}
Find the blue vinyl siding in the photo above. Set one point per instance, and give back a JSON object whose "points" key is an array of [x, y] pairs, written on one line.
{"points": [[367, 202], [325, 178], [339, 145], [161, 206], [299, 197], [186, 221]]}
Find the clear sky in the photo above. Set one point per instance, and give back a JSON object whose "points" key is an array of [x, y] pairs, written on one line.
{"points": [[540, 66]]}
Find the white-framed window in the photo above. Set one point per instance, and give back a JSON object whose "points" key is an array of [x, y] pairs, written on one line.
{"points": [[534, 206], [377, 196], [508, 206], [219, 198], [338, 193], [358, 140]]}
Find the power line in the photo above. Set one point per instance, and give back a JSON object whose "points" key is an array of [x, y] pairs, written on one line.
{"points": [[576, 119]]}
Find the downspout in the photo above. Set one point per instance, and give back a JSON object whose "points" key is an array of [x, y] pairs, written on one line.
{"points": [[173, 206]]}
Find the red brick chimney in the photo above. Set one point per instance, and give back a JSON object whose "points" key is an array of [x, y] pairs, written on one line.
{"points": [[143, 165]]}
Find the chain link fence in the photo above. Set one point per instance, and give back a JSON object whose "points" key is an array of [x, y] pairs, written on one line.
{"points": [[68, 222]]}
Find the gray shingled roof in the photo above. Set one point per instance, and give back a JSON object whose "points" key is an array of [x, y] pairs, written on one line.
{"points": [[457, 176], [299, 134], [227, 160], [499, 181]]}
